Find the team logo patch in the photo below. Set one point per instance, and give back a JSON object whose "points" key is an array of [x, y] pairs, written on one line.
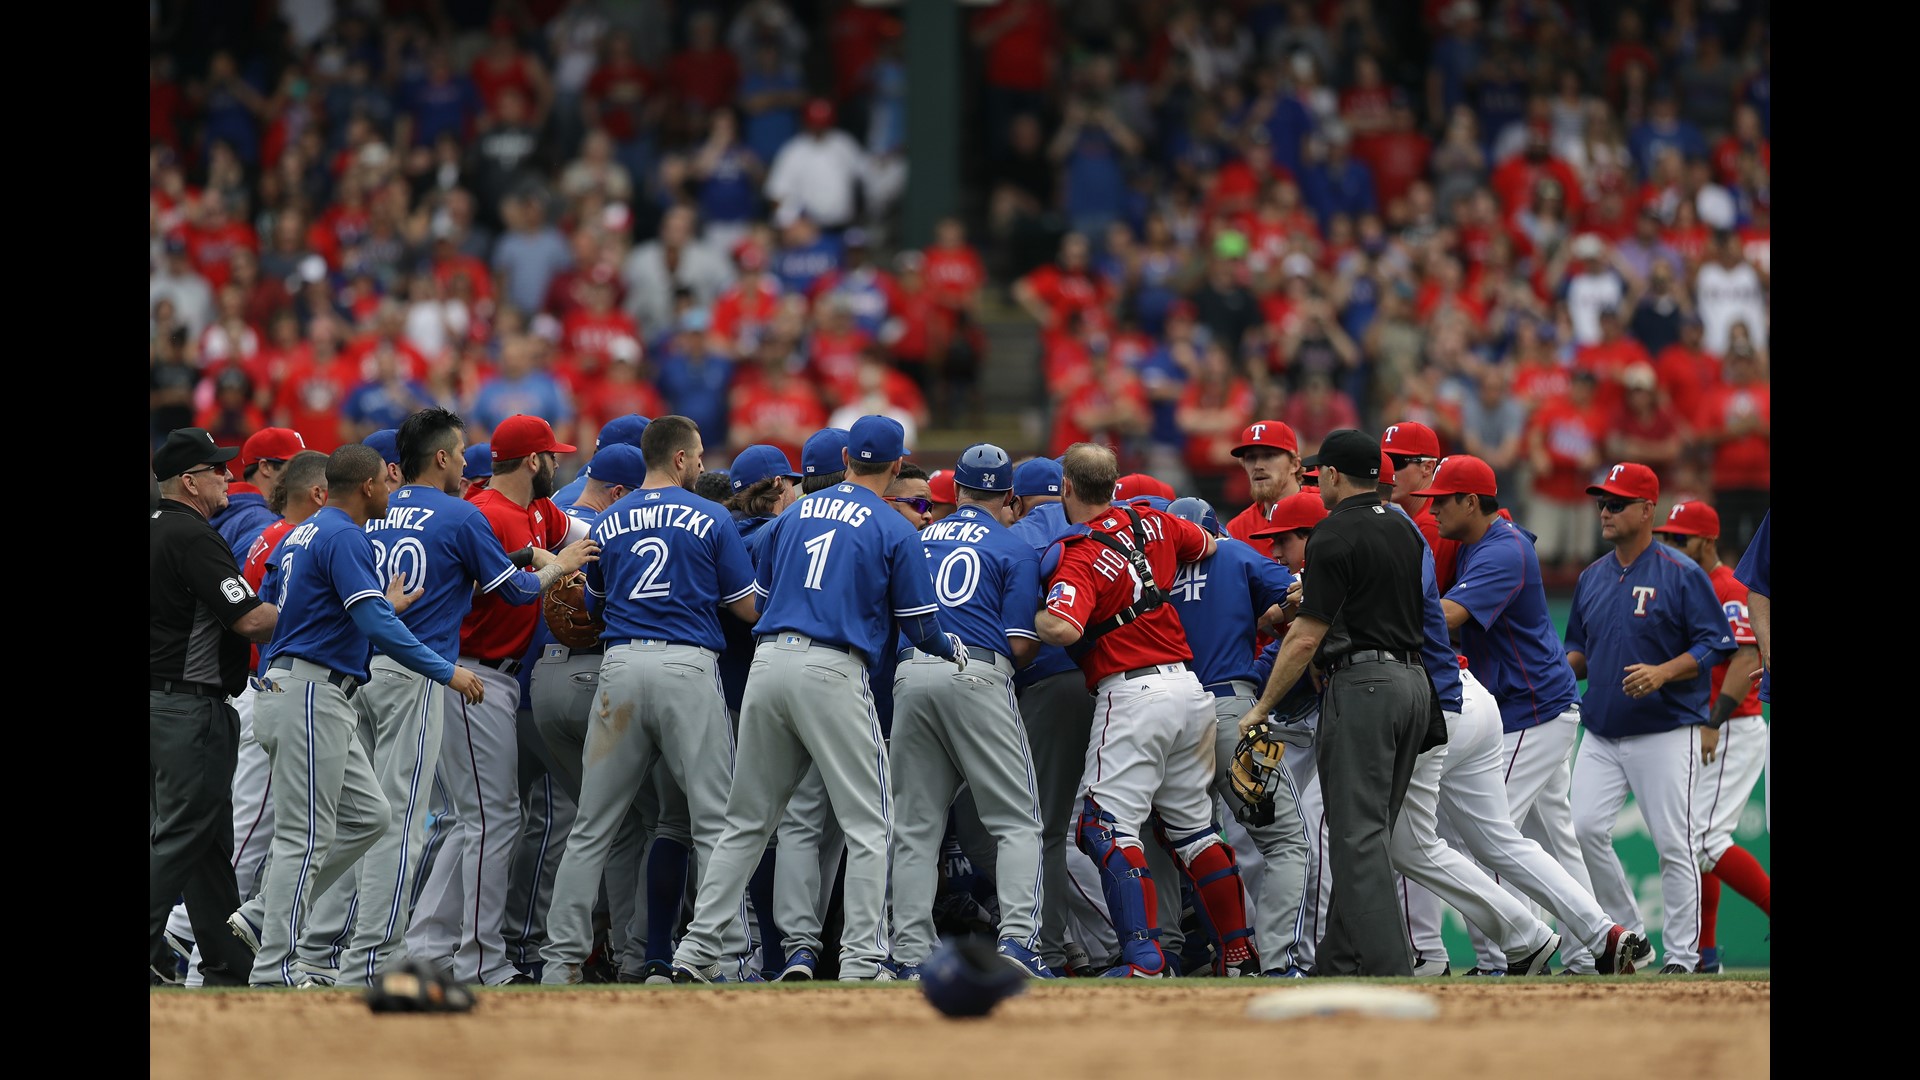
{"points": [[1642, 594], [1062, 593]]}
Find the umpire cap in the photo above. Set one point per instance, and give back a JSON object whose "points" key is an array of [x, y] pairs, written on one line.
{"points": [[1198, 511], [984, 467], [189, 448]]}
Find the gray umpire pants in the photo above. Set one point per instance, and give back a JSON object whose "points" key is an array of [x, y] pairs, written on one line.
{"points": [[1058, 714], [328, 806], [657, 700], [1279, 910], [951, 728], [192, 745], [803, 702], [1373, 718]]}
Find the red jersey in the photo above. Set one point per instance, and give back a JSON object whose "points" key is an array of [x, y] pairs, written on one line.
{"points": [[1067, 291], [445, 270], [833, 362], [1255, 518], [1021, 58], [706, 77], [955, 274], [255, 569], [1535, 384], [1745, 461], [1571, 436], [1398, 158], [1514, 181], [620, 88], [1095, 583], [588, 332], [495, 629], [1733, 600], [737, 310], [309, 398], [1688, 378], [1070, 423], [782, 418], [1445, 552], [211, 250], [1608, 360], [492, 78]]}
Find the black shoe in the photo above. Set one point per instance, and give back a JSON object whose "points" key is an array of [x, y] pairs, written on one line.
{"points": [[522, 979], [1674, 969], [1536, 961]]}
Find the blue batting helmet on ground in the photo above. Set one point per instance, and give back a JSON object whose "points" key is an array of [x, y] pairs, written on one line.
{"points": [[1198, 511], [965, 977], [984, 467]]}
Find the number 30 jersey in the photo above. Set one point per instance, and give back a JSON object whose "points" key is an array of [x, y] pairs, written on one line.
{"points": [[668, 560], [445, 545], [983, 578], [840, 566]]}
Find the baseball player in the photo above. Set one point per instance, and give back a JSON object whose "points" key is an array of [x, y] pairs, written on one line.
{"points": [[435, 541], [1646, 626], [1414, 451], [1756, 573], [1156, 722], [462, 908], [478, 472], [671, 561], [263, 461], [387, 442], [328, 805], [1733, 748], [1221, 601], [953, 728], [621, 429], [1270, 453], [940, 491], [1499, 609], [838, 568], [1057, 712]]}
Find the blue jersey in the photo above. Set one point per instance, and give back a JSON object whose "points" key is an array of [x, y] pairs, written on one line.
{"points": [[986, 581], [1508, 638], [1043, 527], [242, 522], [1220, 600], [1756, 573], [668, 560], [737, 658], [839, 566], [1297, 701], [444, 544], [326, 565], [799, 267], [1648, 613]]}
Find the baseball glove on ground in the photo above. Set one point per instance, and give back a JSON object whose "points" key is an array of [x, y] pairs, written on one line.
{"points": [[565, 607], [1255, 775], [415, 986]]}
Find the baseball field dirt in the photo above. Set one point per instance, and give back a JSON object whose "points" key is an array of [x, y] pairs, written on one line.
{"points": [[1671, 1027]]}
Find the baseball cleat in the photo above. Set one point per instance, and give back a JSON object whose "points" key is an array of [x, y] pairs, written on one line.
{"points": [[1642, 954], [1135, 971], [164, 976], [704, 973], [184, 946], [1025, 959], [244, 929], [1674, 969], [883, 973], [1536, 961], [1709, 960], [1294, 972], [521, 978], [657, 973], [1485, 973], [800, 966], [1427, 969], [1620, 953]]}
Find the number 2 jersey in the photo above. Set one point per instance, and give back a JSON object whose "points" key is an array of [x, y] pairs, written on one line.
{"points": [[668, 560]]}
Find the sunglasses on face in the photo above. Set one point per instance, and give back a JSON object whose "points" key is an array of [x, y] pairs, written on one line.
{"points": [[1615, 506], [1401, 461], [1671, 539], [920, 505]]}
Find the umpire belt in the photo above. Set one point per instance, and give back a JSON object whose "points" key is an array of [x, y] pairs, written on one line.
{"points": [[312, 672], [506, 665], [175, 686], [975, 654], [794, 637], [1371, 656]]}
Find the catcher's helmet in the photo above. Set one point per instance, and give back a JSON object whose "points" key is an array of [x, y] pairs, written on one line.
{"points": [[984, 467], [965, 977], [1198, 511]]}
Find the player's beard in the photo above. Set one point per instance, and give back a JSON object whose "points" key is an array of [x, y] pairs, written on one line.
{"points": [[1266, 491], [543, 482]]}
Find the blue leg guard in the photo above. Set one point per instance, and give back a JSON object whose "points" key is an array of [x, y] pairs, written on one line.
{"points": [[1129, 888]]}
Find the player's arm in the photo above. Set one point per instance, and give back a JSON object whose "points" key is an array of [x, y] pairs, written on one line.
{"points": [[1760, 614], [1710, 640], [1070, 598], [739, 589], [1457, 615], [1289, 663], [495, 571], [1016, 608], [360, 591], [1741, 671], [914, 607], [216, 582]]}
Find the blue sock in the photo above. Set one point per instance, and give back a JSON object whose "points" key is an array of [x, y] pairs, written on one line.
{"points": [[666, 891], [760, 888]]}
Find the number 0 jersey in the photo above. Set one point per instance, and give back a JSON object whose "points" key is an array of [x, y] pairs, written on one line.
{"points": [[984, 579]]}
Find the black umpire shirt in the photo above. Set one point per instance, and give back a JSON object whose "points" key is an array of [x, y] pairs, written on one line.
{"points": [[195, 593], [1362, 579]]}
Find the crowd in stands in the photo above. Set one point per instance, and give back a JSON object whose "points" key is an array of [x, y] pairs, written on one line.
{"points": [[1541, 227]]}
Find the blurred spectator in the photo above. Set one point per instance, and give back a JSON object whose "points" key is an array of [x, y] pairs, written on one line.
{"points": [[767, 24], [1664, 130], [521, 387], [231, 416], [1317, 410], [1459, 164], [729, 175], [672, 260], [694, 380], [509, 157], [1644, 428], [441, 102], [171, 376], [916, 320], [622, 99], [1738, 421], [182, 287], [1091, 149], [1223, 303], [1211, 413], [819, 170], [1518, 180], [1628, 49], [1067, 288], [869, 293], [385, 398], [1563, 449], [567, 292], [1638, 253], [1398, 156], [530, 255], [877, 389], [775, 408], [1687, 373], [231, 108], [314, 385], [703, 75], [1590, 285], [624, 387], [1454, 57], [230, 339], [596, 169], [1108, 407], [886, 143], [1706, 86], [745, 310], [1609, 358], [1019, 38], [1656, 318], [834, 350], [1493, 426], [573, 38], [1730, 291], [806, 255], [1022, 192], [771, 95]]}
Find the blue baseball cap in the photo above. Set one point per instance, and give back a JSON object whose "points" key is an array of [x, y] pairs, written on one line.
{"points": [[759, 462], [1156, 502], [1041, 476], [876, 438], [622, 429], [984, 467], [387, 441], [821, 454], [479, 462], [618, 465]]}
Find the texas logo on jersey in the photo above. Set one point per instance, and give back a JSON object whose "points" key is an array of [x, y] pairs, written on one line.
{"points": [[1062, 593]]}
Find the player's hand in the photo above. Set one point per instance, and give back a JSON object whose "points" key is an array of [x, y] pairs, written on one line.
{"points": [[467, 685], [960, 656], [1643, 679], [1709, 742], [577, 554], [399, 597]]}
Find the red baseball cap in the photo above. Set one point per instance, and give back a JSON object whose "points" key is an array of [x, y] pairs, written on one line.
{"points": [[1629, 480], [1410, 438], [1693, 518], [1271, 433], [1138, 485], [940, 484], [271, 444], [1386, 469], [520, 435], [1302, 510], [819, 112], [750, 256], [1461, 474]]}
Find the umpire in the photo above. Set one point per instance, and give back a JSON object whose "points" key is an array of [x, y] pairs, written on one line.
{"points": [[201, 616], [1360, 624]]}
